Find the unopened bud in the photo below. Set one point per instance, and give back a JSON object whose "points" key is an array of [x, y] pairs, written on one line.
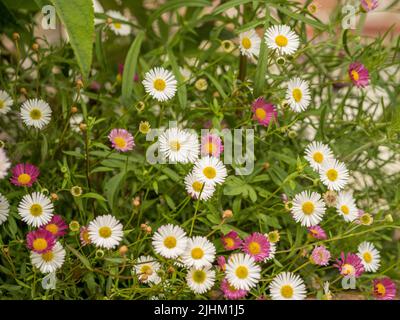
{"points": [[74, 109], [23, 91], [54, 196], [35, 47], [136, 202], [227, 214], [79, 84], [83, 126], [148, 229], [109, 21], [171, 269], [389, 218], [15, 36], [266, 165], [123, 250]]}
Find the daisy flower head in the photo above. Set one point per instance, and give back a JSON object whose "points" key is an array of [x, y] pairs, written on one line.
{"points": [[334, 174], [36, 209], [298, 94], [369, 5], [282, 39], [146, 268], [24, 175], [56, 226], [170, 241], [178, 145], [40, 240], [230, 292], [317, 153], [49, 261], [317, 232], [231, 241], [4, 164], [160, 84], [257, 246], [36, 113], [210, 170], [264, 112], [384, 289], [5, 102], [197, 189], [105, 231], [308, 208], [358, 74], [121, 140], [199, 252], [4, 209], [287, 286], [211, 145], [84, 236], [320, 256], [119, 28], [346, 206], [370, 256], [249, 43], [242, 272], [350, 265], [200, 280]]}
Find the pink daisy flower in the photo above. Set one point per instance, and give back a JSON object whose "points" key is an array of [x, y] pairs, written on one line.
{"points": [[56, 226], [230, 292], [256, 245], [24, 175], [263, 111], [211, 145], [221, 262], [384, 289], [231, 241], [121, 140], [40, 241], [320, 256], [369, 5], [358, 74], [84, 236], [350, 265], [317, 232]]}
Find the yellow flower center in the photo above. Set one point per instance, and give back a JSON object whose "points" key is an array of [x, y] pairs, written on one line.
{"points": [[197, 186], [2, 104], [197, 253], [367, 257], [380, 289], [281, 41], [209, 147], [36, 210], [260, 113], [332, 174], [105, 232], [39, 244], [242, 272], [53, 228], [117, 25], [345, 209], [308, 208], [146, 269], [35, 114], [318, 157], [170, 242], [366, 219], [24, 178], [287, 291], [348, 269], [48, 256], [199, 276], [85, 236], [209, 172], [297, 94], [175, 145], [246, 43], [355, 75], [144, 127], [159, 84], [229, 242], [120, 142], [254, 247]]}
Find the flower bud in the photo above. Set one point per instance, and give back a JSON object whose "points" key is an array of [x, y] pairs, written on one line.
{"points": [[123, 250], [15, 36], [35, 46], [74, 226], [227, 214], [74, 109], [54, 196]]}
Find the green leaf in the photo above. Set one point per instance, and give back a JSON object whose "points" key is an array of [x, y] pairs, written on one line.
{"points": [[83, 259], [130, 68], [230, 4], [181, 91], [112, 187], [78, 19], [259, 79], [301, 17], [94, 196]]}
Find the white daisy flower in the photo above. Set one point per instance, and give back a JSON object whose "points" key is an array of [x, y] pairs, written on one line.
{"points": [[199, 252], [75, 121], [4, 164], [308, 208], [160, 84], [249, 43], [287, 286], [298, 94], [210, 170], [370, 256], [282, 39], [272, 251], [179, 145], [105, 231], [36, 113], [5, 102], [146, 268], [346, 206], [170, 241], [35, 209], [4, 209], [200, 280], [317, 153], [49, 261], [242, 271], [334, 174], [194, 187], [119, 28]]}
